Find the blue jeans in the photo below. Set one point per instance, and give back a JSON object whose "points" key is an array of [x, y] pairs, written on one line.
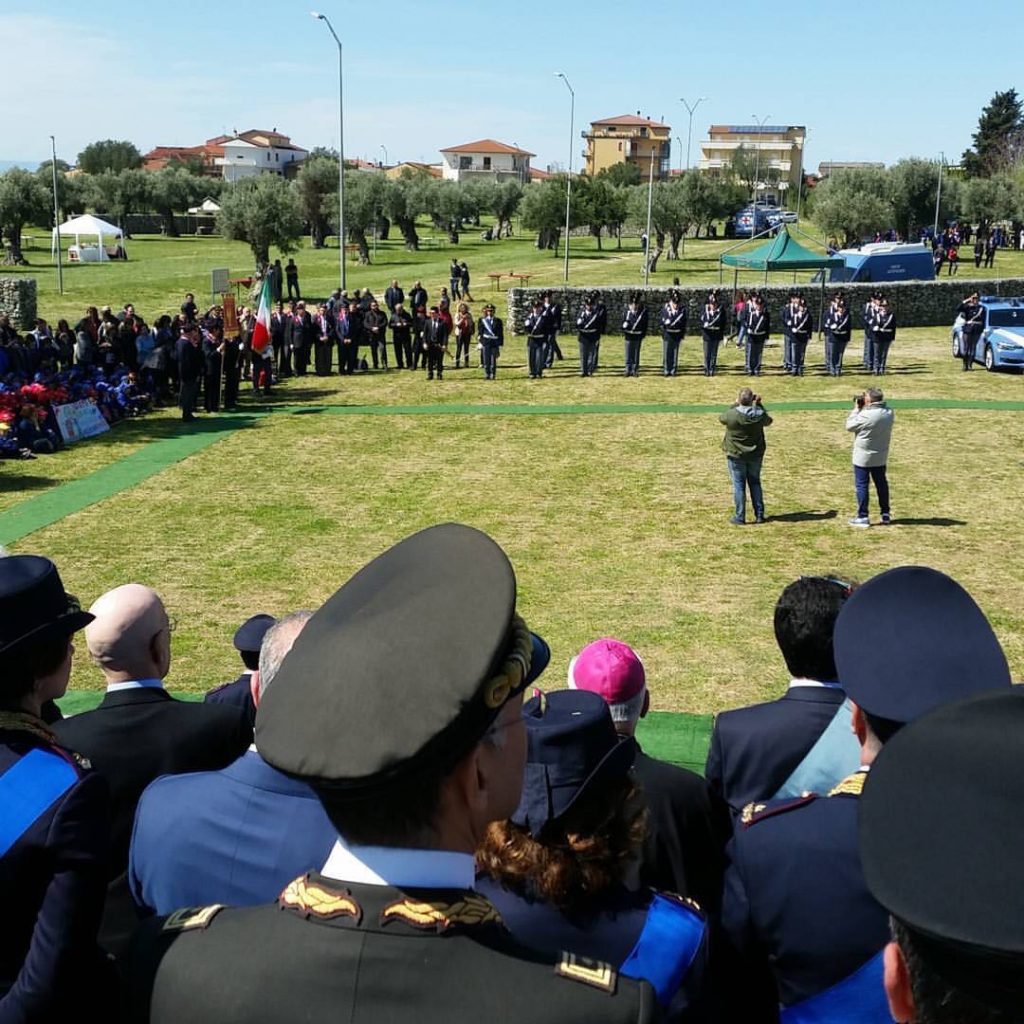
{"points": [[746, 474], [862, 475]]}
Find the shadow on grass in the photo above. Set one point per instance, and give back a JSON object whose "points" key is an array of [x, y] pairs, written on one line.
{"points": [[25, 483], [803, 517], [928, 521]]}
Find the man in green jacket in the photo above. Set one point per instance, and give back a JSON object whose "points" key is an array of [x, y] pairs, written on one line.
{"points": [[744, 447]]}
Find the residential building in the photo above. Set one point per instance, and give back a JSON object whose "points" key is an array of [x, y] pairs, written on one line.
{"points": [[826, 167], [487, 159], [777, 150], [258, 151], [201, 157], [628, 139], [397, 170]]}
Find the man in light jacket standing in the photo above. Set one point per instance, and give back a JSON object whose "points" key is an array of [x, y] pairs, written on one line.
{"points": [[744, 448], [871, 422]]}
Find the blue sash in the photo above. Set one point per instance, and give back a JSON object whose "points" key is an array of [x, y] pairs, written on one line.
{"points": [[835, 755], [666, 948], [858, 999], [27, 789]]}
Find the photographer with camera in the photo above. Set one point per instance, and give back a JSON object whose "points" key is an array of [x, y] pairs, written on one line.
{"points": [[871, 423], [744, 446]]}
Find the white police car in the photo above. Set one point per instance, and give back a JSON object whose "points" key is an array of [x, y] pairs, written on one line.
{"points": [[1001, 343]]}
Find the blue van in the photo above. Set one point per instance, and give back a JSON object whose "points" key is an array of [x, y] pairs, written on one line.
{"points": [[882, 262]]}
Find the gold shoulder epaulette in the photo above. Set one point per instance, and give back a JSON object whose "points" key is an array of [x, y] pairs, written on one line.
{"points": [[190, 918], [319, 901], [470, 912], [595, 973], [852, 785], [747, 815]]}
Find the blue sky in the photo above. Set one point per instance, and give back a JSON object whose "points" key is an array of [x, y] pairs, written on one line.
{"points": [[873, 80]]}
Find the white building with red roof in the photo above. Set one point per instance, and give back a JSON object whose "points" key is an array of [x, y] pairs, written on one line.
{"points": [[488, 159]]}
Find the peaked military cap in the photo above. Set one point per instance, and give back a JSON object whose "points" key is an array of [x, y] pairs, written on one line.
{"points": [[940, 837], [404, 668], [911, 639], [249, 635]]}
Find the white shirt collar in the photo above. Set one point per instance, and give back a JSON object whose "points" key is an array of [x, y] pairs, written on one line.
{"points": [[385, 865], [815, 682], [136, 684]]}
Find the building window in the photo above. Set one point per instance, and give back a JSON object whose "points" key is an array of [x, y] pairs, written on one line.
{"points": [[643, 133], [465, 163], [487, 163], [620, 147], [277, 158]]}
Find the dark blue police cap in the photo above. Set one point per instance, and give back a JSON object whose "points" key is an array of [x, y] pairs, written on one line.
{"points": [[403, 669], [941, 831], [912, 639], [572, 748], [249, 635]]}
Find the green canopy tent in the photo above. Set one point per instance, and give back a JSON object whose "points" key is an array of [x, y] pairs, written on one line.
{"points": [[783, 252]]}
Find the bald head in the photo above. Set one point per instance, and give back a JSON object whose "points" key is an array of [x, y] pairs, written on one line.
{"points": [[130, 636]]}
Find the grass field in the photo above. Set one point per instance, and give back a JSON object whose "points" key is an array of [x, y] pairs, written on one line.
{"points": [[160, 270], [610, 495]]}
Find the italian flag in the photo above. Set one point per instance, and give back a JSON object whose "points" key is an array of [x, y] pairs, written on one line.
{"points": [[261, 329]]}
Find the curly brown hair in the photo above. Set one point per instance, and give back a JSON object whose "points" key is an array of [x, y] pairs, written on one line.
{"points": [[578, 857]]}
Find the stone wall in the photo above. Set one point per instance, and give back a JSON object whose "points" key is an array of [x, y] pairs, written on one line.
{"points": [[917, 303], [18, 301]]}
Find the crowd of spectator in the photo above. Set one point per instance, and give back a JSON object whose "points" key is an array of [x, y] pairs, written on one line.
{"points": [[388, 828]]}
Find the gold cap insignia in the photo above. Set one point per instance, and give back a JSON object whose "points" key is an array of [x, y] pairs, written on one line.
{"points": [[595, 973], [468, 913], [190, 918], [319, 901], [749, 811]]}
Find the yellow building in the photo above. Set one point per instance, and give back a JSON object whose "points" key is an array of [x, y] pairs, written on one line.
{"points": [[628, 139], [777, 148]]}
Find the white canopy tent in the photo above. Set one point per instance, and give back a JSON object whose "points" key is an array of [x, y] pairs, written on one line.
{"points": [[92, 227], [208, 205]]}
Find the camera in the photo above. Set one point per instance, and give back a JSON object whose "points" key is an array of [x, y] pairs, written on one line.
{"points": [[859, 400]]}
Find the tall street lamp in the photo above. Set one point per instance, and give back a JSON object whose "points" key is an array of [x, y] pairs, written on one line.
{"points": [[56, 214], [938, 198], [385, 148], [760, 122], [650, 197], [568, 179], [689, 130], [341, 148]]}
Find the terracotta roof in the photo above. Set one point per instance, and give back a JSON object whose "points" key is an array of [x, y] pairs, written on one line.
{"points": [[631, 120], [488, 146], [536, 174]]}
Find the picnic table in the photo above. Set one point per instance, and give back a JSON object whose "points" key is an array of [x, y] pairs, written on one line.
{"points": [[496, 278], [523, 279]]}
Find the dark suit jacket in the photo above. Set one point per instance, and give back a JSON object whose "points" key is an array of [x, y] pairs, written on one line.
{"points": [[133, 737], [237, 693], [755, 749], [687, 829]]}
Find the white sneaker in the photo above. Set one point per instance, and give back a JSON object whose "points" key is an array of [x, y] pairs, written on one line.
{"points": [[860, 521]]}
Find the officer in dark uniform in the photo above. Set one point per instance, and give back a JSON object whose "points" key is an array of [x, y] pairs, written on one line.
{"points": [[602, 324], [673, 330], [491, 332], [712, 327], [435, 337], [634, 330], [799, 335], [868, 317], [837, 335], [553, 313], [247, 641], [788, 315], [940, 838], [536, 328], [883, 333], [54, 811], [758, 329], [434, 750], [588, 324], [795, 899], [973, 324]]}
